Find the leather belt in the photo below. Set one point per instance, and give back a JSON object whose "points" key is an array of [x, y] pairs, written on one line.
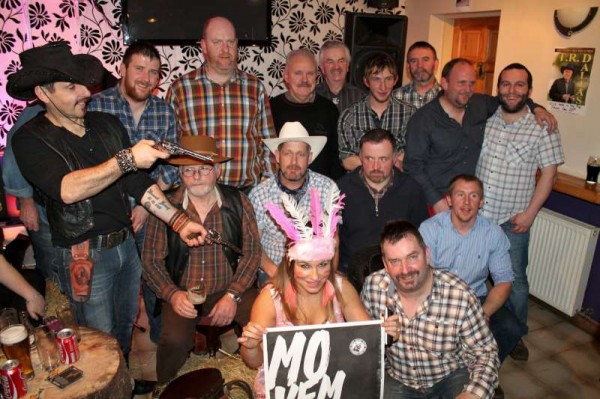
{"points": [[110, 240]]}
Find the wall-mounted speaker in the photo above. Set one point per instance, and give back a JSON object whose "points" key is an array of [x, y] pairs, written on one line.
{"points": [[370, 34]]}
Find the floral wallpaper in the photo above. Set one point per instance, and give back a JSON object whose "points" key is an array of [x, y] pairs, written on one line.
{"points": [[92, 27]]}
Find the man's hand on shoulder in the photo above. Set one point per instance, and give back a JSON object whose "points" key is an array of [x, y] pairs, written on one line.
{"points": [[467, 395], [441, 206], [543, 117]]}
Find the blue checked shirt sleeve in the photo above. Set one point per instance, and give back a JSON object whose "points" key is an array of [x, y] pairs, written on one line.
{"points": [[169, 173], [499, 262]]}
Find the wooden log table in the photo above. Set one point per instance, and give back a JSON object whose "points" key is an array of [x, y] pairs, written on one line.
{"points": [[105, 374]]}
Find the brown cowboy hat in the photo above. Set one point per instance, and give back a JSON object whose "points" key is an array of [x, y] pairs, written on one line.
{"points": [[52, 62], [204, 145]]}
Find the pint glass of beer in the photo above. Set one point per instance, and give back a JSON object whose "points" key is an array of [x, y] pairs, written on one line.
{"points": [[15, 344], [197, 295]]}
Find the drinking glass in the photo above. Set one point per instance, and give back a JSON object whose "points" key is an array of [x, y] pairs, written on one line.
{"points": [[8, 316], [47, 348], [15, 344], [197, 295], [593, 167]]}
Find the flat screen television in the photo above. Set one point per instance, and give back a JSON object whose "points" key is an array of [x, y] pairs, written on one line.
{"points": [[179, 22]]}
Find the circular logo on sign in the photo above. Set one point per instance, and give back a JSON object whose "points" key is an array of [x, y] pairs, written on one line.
{"points": [[358, 346]]}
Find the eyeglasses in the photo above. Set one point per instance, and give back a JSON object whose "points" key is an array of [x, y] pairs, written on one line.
{"points": [[203, 170]]}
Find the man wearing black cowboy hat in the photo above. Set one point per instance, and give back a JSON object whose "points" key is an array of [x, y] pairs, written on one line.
{"points": [[227, 273], [563, 89], [83, 166]]}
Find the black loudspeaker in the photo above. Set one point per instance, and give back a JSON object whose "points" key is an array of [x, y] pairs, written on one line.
{"points": [[370, 34], [389, 4]]}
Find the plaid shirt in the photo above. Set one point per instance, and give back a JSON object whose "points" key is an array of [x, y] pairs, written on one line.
{"points": [[207, 262], [237, 115], [448, 332], [272, 238], [349, 95], [156, 123], [359, 118], [510, 157], [408, 94]]}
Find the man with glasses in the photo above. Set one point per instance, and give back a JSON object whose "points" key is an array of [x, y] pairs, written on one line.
{"points": [[227, 271], [230, 105]]}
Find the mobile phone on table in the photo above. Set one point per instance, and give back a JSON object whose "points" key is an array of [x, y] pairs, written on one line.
{"points": [[66, 377]]}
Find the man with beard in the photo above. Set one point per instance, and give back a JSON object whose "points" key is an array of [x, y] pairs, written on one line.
{"points": [[446, 349], [444, 137], [171, 268], [334, 62], [472, 247], [378, 110], [421, 63], [146, 117], [223, 102], [294, 151], [514, 148], [317, 114], [376, 192], [83, 166]]}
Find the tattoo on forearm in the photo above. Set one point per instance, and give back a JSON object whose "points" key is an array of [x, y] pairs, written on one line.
{"points": [[156, 201]]}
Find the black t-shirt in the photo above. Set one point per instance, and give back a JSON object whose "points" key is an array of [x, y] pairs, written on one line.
{"points": [[319, 118], [45, 169]]}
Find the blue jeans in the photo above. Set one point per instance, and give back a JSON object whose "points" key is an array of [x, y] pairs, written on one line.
{"points": [[43, 250], [507, 330], [448, 388], [519, 258], [112, 306]]}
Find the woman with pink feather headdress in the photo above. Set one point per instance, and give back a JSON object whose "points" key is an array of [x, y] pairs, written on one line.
{"points": [[306, 289]]}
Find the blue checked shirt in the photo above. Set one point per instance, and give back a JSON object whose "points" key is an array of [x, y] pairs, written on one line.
{"points": [[156, 123], [359, 118], [510, 157], [272, 238], [448, 332], [482, 252]]}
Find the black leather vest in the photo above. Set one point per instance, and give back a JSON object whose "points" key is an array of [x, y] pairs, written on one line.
{"points": [[231, 216], [74, 220]]}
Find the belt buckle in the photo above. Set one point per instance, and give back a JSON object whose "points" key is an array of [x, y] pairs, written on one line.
{"points": [[115, 238]]}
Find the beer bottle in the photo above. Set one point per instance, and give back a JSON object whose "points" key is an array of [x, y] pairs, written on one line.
{"points": [[27, 323]]}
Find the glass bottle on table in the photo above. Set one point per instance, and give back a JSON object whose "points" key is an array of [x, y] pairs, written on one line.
{"points": [[27, 323]]}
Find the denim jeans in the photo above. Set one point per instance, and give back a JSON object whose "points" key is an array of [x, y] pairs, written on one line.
{"points": [[112, 306], [506, 328], [43, 250], [448, 388], [519, 257]]}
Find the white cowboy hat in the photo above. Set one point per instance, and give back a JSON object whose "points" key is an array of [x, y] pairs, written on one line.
{"points": [[294, 131]]}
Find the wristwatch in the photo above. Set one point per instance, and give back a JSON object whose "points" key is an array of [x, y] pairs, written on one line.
{"points": [[234, 297]]}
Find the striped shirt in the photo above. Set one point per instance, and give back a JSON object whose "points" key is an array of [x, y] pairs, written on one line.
{"points": [[482, 252], [349, 95], [358, 119], [157, 123], [237, 115], [408, 94], [272, 238], [448, 332], [510, 157], [206, 262]]}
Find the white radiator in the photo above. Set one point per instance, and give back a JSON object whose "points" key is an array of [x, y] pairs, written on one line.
{"points": [[560, 257]]}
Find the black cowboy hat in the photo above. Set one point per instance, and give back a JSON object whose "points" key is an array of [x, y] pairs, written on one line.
{"points": [[50, 63], [568, 66]]}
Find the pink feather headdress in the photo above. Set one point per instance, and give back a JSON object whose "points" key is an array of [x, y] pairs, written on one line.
{"points": [[315, 241]]}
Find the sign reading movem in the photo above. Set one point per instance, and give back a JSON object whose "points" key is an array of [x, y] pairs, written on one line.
{"points": [[339, 360]]}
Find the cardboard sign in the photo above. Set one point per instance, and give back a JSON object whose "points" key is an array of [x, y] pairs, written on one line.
{"points": [[338, 361]]}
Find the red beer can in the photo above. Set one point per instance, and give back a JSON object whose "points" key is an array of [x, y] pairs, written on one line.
{"points": [[69, 351], [13, 380]]}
